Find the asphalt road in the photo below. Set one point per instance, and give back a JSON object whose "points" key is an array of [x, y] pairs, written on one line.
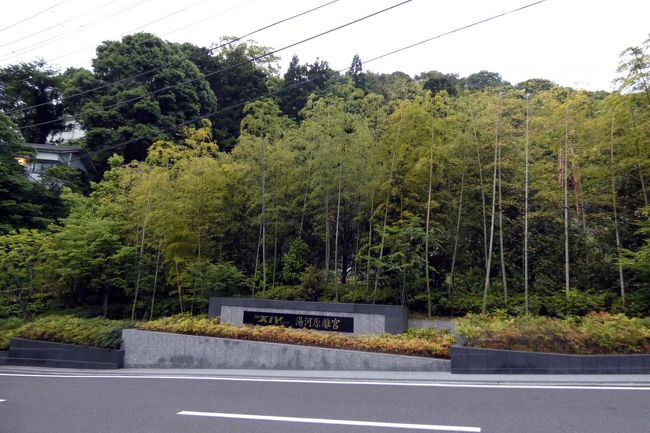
{"points": [[34, 402]]}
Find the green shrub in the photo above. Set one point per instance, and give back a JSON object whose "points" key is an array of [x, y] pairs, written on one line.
{"points": [[73, 330], [287, 293], [294, 261], [430, 343], [596, 333], [575, 303], [8, 329], [311, 282]]}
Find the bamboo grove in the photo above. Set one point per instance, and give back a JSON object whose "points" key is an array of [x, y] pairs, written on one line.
{"points": [[527, 199]]}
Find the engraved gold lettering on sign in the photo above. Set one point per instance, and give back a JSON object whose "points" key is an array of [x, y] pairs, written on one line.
{"points": [[305, 321], [269, 320]]}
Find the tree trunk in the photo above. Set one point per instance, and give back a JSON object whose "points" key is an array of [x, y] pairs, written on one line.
{"points": [[427, 278], [304, 201], [105, 303], [327, 235], [257, 256], [457, 229], [198, 248], [526, 164], [355, 265], [327, 213], [275, 244], [390, 183], [178, 283], [501, 252], [336, 230], [372, 210], [345, 260], [614, 206], [155, 279], [137, 282], [639, 168], [480, 174], [263, 174], [565, 182], [494, 196]]}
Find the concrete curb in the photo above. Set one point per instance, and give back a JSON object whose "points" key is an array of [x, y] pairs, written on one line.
{"points": [[146, 349]]}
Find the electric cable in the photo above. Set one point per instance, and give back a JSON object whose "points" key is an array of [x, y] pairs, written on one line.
{"points": [[251, 60], [192, 24], [329, 75], [126, 34], [32, 16], [58, 24], [210, 51], [50, 40]]}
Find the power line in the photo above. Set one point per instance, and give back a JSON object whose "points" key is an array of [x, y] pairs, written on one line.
{"points": [[456, 30], [251, 60], [210, 51], [329, 75], [58, 24], [32, 16], [50, 40], [125, 34], [176, 12]]}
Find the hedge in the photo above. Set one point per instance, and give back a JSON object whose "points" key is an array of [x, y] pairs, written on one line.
{"points": [[595, 333], [417, 342], [68, 329]]}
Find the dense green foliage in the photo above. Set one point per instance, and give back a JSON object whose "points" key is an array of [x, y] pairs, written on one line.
{"points": [[360, 187], [30, 93], [23, 204], [66, 329], [426, 342], [595, 333]]}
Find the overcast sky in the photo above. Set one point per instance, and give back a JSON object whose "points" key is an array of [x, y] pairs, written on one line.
{"points": [[572, 42]]}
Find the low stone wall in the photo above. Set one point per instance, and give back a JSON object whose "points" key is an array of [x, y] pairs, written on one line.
{"points": [[472, 360], [367, 318], [3, 357], [146, 349], [50, 354]]}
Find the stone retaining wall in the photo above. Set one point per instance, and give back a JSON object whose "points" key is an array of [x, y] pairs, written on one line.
{"points": [[50, 354], [472, 360], [146, 349]]}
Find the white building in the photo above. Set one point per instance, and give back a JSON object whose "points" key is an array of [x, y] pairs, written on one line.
{"points": [[50, 155]]}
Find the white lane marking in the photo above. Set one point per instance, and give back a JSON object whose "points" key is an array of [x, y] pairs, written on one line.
{"points": [[431, 427], [339, 382], [2, 400]]}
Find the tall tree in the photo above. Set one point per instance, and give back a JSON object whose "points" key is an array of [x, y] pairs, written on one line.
{"points": [[23, 204], [146, 86], [234, 78], [31, 97]]}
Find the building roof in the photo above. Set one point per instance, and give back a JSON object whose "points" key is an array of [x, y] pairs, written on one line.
{"points": [[62, 149], [55, 148]]}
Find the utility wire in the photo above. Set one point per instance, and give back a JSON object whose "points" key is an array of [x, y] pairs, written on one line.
{"points": [[251, 60], [456, 30], [320, 77], [210, 51], [125, 34], [50, 40], [176, 12], [193, 23], [32, 16], [58, 24]]}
